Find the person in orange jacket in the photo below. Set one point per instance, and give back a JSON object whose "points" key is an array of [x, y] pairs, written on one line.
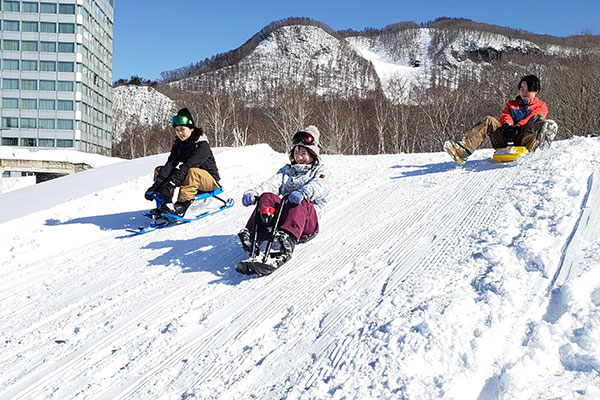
{"points": [[522, 123]]}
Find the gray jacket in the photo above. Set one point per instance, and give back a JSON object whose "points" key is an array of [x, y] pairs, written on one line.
{"points": [[312, 181]]}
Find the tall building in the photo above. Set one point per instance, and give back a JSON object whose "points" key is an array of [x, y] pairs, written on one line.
{"points": [[56, 74]]}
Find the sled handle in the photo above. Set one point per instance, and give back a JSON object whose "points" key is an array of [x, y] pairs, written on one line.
{"points": [[284, 200], [255, 230]]}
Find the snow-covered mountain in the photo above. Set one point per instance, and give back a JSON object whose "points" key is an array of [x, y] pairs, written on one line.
{"points": [[142, 105], [295, 54], [427, 280], [310, 54], [327, 62]]}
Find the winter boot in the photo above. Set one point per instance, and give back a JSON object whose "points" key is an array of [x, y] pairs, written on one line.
{"points": [[457, 151], [245, 239], [546, 135], [178, 208], [155, 213], [283, 244]]}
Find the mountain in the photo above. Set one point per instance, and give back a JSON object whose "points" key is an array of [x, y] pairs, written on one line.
{"points": [[403, 88], [139, 105], [306, 52], [427, 280]]}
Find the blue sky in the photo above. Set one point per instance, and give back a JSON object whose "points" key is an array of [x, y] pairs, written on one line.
{"points": [[152, 36]]}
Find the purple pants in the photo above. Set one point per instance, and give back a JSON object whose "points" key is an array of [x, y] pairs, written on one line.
{"points": [[297, 219]]}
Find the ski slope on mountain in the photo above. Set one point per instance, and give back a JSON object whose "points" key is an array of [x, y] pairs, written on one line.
{"points": [[427, 280]]}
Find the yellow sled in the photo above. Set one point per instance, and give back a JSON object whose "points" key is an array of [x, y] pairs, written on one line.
{"points": [[509, 154]]}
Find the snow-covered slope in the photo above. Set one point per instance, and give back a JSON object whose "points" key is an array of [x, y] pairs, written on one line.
{"points": [[395, 59], [427, 280], [293, 55], [139, 105]]}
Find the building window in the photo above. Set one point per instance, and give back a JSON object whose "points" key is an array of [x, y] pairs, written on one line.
{"points": [[65, 66], [66, 48], [8, 83], [8, 25], [10, 45], [48, 27], [10, 122], [65, 86], [48, 66], [64, 143], [48, 8], [11, 5], [65, 124], [29, 6], [28, 84], [66, 28], [29, 65], [29, 26], [46, 142], [29, 45], [10, 141], [9, 102], [29, 104], [66, 8], [45, 123], [28, 142], [47, 85], [10, 65], [64, 105], [30, 123], [47, 104], [48, 47]]}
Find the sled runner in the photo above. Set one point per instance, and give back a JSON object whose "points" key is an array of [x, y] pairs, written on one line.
{"points": [[160, 220]]}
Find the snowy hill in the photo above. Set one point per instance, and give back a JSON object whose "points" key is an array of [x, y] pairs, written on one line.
{"points": [[428, 280], [309, 54], [139, 105], [290, 52]]}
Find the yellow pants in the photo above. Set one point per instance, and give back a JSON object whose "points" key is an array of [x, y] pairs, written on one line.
{"points": [[197, 180]]}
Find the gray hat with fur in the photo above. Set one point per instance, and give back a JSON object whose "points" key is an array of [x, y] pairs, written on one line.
{"points": [[302, 138]]}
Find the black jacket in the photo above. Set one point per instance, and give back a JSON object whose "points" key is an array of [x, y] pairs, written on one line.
{"points": [[193, 152]]}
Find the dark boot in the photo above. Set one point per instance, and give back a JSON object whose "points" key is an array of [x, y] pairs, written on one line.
{"points": [[285, 243], [245, 239], [178, 208]]}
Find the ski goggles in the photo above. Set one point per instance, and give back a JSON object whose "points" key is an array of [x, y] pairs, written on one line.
{"points": [[178, 120], [303, 138]]}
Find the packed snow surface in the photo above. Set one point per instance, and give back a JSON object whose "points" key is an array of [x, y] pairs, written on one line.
{"points": [[427, 280]]}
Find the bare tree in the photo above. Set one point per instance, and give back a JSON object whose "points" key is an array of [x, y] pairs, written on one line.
{"points": [[288, 111]]}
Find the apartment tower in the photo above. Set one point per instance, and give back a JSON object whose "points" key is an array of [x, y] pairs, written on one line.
{"points": [[56, 74]]}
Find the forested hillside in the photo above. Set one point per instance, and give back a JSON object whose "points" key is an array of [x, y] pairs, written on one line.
{"points": [[403, 88]]}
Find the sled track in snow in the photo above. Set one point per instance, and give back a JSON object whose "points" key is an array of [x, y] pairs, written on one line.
{"points": [[289, 285], [81, 359], [334, 347], [564, 271], [423, 240]]}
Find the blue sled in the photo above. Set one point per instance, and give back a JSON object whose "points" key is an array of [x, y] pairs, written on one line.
{"points": [[165, 219]]}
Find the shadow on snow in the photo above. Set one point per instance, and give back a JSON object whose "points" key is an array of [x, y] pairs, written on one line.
{"points": [[426, 169], [214, 254], [108, 222]]}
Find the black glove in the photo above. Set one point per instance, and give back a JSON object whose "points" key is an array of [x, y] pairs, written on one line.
{"points": [[152, 189], [510, 132], [149, 193], [165, 192]]}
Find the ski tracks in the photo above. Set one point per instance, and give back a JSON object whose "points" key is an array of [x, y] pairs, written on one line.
{"points": [[275, 336], [244, 345]]}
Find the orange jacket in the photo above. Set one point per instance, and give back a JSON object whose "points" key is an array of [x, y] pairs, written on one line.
{"points": [[536, 106]]}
